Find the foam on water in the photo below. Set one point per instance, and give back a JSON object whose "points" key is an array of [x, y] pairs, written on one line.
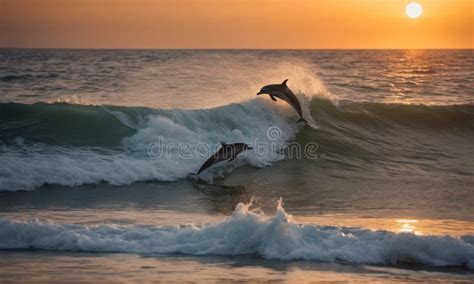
{"points": [[245, 232], [77, 141], [172, 136], [75, 144]]}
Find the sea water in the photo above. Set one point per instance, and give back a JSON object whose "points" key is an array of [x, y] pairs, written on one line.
{"points": [[97, 148]]}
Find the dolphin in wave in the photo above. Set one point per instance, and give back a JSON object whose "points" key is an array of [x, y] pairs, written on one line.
{"points": [[282, 92], [226, 152]]}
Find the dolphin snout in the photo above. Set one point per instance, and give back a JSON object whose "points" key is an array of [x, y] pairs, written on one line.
{"points": [[260, 93]]}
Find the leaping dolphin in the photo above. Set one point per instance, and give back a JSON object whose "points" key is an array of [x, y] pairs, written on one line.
{"points": [[226, 152], [282, 92]]}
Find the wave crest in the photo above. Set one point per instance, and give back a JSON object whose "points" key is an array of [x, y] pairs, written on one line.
{"points": [[76, 144], [71, 152], [245, 232]]}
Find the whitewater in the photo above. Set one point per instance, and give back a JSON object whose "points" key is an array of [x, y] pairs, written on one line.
{"points": [[123, 145], [245, 232]]}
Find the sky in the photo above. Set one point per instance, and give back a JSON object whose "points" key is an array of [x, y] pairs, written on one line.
{"points": [[301, 24]]}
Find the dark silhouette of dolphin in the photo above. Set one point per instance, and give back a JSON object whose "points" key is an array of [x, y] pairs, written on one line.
{"points": [[282, 92], [226, 152]]}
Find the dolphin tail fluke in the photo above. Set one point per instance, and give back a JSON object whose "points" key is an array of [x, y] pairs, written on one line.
{"points": [[302, 120]]}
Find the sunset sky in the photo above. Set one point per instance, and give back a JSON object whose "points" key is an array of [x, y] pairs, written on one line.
{"points": [[235, 24]]}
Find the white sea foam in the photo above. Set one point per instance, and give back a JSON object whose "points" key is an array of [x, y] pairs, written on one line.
{"points": [[245, 120], [27, 165], [244, 232]]}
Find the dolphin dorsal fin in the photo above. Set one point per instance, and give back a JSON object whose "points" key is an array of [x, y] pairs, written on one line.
{"points": [[284, 82]]}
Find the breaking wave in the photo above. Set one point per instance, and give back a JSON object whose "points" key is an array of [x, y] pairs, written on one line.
{"points": [[79, 144], [75, 144], [245, 232]]}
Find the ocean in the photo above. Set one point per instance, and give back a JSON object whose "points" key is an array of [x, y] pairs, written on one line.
{"points": [[98, 148]]}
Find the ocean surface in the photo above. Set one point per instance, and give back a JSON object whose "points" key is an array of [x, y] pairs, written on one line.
{"points": [[97, 148]]}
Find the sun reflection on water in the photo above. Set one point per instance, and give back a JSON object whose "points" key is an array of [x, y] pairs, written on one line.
{"points": [[408, 226], [424, 227]]}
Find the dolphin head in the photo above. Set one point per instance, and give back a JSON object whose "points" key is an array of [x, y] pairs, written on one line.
{"points": [[264, 90], [268, 89], [247, 147]]}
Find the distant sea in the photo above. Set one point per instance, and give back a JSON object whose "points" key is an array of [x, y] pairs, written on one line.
{"points": [[97, 148]]}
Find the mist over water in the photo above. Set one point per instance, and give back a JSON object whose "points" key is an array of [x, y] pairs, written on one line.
{"points": [[393, 131]]}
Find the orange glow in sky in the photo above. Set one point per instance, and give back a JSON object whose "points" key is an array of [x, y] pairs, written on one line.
{"points": [[235, 24]]}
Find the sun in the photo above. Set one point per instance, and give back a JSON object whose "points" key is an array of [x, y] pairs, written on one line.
{"points": [[414, 10]]}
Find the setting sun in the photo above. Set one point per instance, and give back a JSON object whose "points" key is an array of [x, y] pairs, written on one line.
{"points": [[236, 24], [414, 10]]}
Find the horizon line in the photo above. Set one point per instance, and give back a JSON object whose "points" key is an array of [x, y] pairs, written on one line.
{"points": [[232, 48]]}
